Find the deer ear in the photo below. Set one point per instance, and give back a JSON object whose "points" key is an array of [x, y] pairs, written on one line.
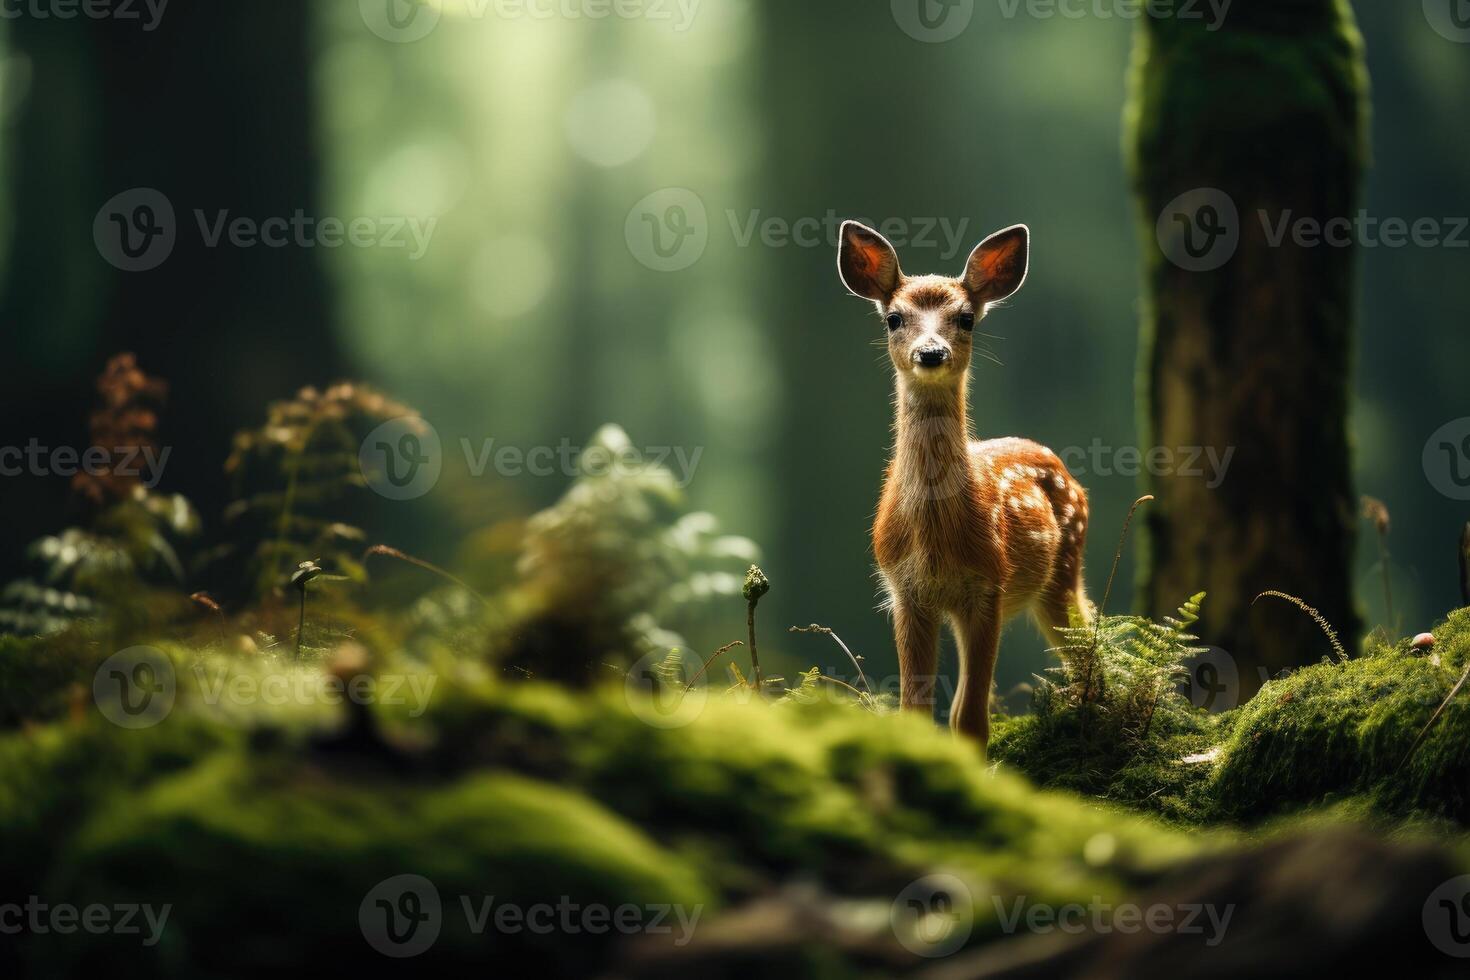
{"points": [[997, 267], [867, 263]]}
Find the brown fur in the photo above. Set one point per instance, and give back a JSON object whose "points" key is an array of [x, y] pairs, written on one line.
{"points": [[967, 532]]}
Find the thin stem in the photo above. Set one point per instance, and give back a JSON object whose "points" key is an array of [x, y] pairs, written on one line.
{"points": [[755, 660], [1118, 555], [301, 628], [283, 526], [865, 699], [1387, 591], [814, 628], [1107, 594], [383, 549], [1434, 717], [1315, 615], [724, 649]]}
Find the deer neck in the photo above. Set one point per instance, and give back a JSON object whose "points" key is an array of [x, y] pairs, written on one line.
{"points": [[932, 451]]}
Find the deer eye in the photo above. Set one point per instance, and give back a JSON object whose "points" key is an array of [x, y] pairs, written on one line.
{"points": [[895, 320], [967, 321]]}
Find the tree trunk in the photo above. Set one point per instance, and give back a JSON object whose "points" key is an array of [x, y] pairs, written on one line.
{"points": [[213, 108], [1246, 345]]}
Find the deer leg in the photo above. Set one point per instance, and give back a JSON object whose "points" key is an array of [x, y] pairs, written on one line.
{"points": [[916, 632], [977, 634], [1055, 610]]}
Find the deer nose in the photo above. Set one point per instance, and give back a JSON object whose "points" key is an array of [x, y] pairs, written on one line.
{"points": [[930, 356]]}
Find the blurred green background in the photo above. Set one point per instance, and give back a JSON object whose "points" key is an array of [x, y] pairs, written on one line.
{"points": [[536, 313]]}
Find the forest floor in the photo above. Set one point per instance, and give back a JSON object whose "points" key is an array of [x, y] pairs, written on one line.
{"points": [[792, 834]]}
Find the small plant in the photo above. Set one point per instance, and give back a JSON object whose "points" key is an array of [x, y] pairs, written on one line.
{"points": [[305, 573], [1376, 512], [1086, 659], [1123, 669], [129, 402], [756, 585], [387, 552], [129, 541], [856, 660], [616, 569], [1317, 618], [299, 489], [704, 668]]}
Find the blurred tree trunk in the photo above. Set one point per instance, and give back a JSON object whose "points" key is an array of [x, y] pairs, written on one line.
{"points": [[1247, 339], [214, 108], [835, 391]]}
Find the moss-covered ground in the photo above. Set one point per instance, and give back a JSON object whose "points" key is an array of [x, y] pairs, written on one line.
{"points": [[265, 825], [264, 829], [1336, 733]]}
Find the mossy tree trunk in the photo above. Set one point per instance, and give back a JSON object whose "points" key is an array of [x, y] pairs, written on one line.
{"points": [[1247, 346]]}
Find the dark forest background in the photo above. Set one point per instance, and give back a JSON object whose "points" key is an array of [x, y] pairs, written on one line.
{"points": [[530, 320]]}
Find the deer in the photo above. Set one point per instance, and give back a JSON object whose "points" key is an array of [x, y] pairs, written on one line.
{"points": [[970, 532]]}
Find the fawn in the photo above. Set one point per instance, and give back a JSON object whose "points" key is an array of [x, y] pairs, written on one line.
{"points": [[969, 531]]}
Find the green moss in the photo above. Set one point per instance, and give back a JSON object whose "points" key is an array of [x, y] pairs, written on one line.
{"points": [[36, 675], [1151, 775], [242, 841], [53, 778], [1335, 730], [1317, 737], [1272, 67], [527, 793], [250, 824]]}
